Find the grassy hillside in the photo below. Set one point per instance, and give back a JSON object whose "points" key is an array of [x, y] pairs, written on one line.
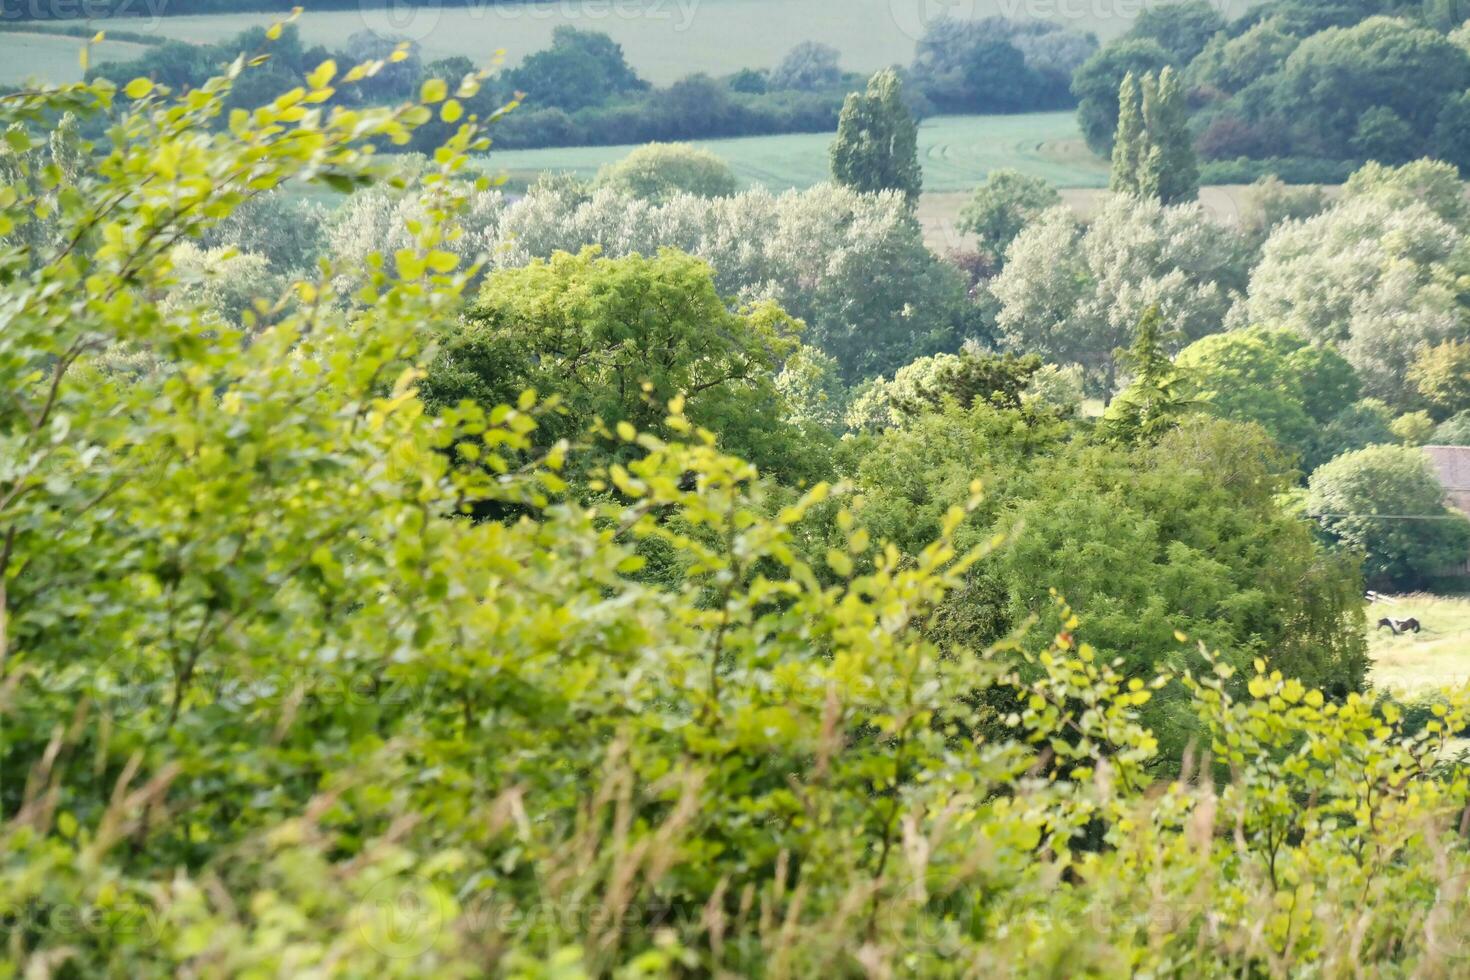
{"points": [[54, 58], [957, 153], [666, 39], [1438, 656]]}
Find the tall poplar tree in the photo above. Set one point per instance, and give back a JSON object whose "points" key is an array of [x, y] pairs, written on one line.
{"points": [[1153, 155], [1130, 139], [877, 145], [1171, 168]]}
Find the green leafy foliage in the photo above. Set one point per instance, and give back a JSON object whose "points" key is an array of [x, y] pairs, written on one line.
{"points": [[1153, 152], [1182, 29], [876, 148], [278, 705], [1367, 422], [1098, 81], [998, 64], [1453, 431], [1442, 375], [615, 340], [1002, 206], [1290, 87], [579, 69], [1335, 78], [1157, 397], [1277, 380], [660, 170], [928, 384], [1386, 503], [1184, 534]]}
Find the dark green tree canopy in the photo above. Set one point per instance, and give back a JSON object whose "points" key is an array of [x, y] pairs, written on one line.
{"points": [[581, 68], [616, 340], [1153, 150], [1181, 29], [877, 145], [1159, 394], [1189, 527], [1097, 82], [1333, 79], [1386, 504], [1274, 378]]}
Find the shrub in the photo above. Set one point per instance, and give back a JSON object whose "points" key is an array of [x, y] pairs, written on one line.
{"points": [[658, 171]]}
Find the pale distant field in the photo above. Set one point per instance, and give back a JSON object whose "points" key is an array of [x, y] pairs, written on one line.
{"points": [[666, 39], [1439, 656], [53, 58], [956, 151]]}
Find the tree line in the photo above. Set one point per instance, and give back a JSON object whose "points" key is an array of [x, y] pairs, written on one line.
{"points": [[581, 90], [1296, 88]]}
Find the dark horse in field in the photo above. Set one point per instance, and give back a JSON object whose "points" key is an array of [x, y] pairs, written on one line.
{"points": [[1397, 626]]}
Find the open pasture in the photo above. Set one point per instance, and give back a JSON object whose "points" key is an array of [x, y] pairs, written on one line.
{"points": [[956, 151], [1436, 657], [667, 39], [53, 57]]}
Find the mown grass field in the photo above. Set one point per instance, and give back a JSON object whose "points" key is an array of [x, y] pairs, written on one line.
{"points": [[666, 39], [956, 151], [53, 58], [1438, 656]]}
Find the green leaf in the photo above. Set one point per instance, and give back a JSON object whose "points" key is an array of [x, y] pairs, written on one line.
{"points": [[323, 75], [138, 88]]}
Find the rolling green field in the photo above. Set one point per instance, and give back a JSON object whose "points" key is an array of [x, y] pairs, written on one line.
{"points": [[664, 39], [1438, 656], [957, 152], [54, 58]]}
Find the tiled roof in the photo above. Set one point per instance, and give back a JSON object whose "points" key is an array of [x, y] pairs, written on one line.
{"points": [[1452, 463]]}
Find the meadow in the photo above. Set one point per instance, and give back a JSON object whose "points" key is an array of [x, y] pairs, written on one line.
{"points": [[53, 57], [664, 39], [956, 152], [1436, 657]]}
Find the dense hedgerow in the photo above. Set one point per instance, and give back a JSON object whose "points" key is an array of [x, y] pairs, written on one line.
{"points": [[273, 706]]}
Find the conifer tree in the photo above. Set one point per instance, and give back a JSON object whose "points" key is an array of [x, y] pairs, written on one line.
{"points": [[877, 145], [1153, 403]]}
